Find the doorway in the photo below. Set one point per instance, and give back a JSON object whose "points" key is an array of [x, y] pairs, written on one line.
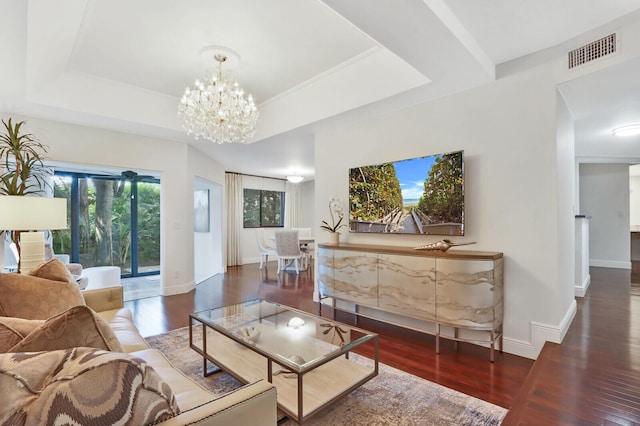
{"points": [[114, 221]]}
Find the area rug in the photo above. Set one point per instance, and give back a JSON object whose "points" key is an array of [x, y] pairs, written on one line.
{"points": [[392, 398]]}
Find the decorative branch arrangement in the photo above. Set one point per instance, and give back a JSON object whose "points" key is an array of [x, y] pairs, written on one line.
{"points": [[337, 332]]}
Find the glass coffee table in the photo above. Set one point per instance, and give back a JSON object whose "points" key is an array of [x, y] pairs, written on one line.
{"points": [[306, 357]]}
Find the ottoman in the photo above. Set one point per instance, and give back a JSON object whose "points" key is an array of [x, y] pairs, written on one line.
{"points": [[101, 276]]}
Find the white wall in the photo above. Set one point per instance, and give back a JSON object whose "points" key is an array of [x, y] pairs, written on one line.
{"points": [[566, 210], [634, 211], [207, 246], [307, 201], [176, 163], [634, 200], [604, 195], [209, 250], [508, 132]]}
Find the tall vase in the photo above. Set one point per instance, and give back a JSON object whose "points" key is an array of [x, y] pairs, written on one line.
{"points": [[334, 238]]}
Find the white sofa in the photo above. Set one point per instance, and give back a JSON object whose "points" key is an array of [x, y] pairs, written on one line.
{"points": [[68, 356], [252, 404]]}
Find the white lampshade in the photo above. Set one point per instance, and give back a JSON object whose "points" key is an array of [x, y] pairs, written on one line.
{"points": [[22, 213]]}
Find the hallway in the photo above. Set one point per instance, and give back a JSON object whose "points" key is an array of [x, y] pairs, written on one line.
{"points": [[593, 377]]}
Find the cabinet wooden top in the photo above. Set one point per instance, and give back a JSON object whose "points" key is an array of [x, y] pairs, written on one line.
{"points": [[452, 253]]}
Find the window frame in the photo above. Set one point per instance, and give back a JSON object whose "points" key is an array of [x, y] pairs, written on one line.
{"points": [[74, 213], [261, 192]]}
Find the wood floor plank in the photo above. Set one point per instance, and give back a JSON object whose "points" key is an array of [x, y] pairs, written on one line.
{"points": [[466, 369], [593, 377]]}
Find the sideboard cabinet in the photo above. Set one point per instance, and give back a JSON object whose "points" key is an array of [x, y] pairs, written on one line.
{"points": [[458, 289]]}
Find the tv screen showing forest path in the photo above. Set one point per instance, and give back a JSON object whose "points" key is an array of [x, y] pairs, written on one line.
{"points": [[422, 195]]}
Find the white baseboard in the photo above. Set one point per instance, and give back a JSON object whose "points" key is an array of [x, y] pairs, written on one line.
{"points": [[617, 264], [179, 289], [541, 333], [581, 290], [248, 260]]}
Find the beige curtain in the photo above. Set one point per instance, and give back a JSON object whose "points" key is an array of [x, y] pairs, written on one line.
{"points": [[292, 207], [234, 190]]}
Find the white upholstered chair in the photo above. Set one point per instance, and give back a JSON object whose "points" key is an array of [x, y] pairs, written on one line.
{"points": [[288, 248], [264, 247], [306, 247]]}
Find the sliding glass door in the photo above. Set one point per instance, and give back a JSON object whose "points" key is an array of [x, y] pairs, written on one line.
{"points": [[115, 220], [147, 244]]}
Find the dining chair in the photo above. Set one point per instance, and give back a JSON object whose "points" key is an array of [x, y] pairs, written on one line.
{"points": [[305, 246], [264, 247], [288, 248]]}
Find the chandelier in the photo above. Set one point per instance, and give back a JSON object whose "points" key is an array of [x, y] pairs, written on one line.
{"points": [[217, 110]]}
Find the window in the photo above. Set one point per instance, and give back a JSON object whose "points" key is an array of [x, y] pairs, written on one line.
{"points": [[263, 208], [115, 220]]}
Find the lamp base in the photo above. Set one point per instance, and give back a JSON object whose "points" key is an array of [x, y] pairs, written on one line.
{"points": [[31, 251]]}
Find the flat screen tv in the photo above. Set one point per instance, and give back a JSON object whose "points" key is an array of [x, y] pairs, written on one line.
{"points": [[423, 196]]}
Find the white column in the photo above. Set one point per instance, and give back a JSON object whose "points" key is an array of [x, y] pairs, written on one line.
{"points": [[583, 279]]}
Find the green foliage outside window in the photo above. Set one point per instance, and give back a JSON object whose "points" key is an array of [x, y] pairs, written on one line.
{"points": [[148, 223], [263, 208], [62, 238], [111, 245]]}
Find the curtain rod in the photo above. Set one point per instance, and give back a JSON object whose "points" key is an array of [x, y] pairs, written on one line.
{"points": [[245, 174]]}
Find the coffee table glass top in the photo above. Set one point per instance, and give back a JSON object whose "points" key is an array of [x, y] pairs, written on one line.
{"points": [[295, 339]]}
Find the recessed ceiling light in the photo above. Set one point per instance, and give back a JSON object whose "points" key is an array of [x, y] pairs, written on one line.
{"points": [[629, 130], [295, 178]]}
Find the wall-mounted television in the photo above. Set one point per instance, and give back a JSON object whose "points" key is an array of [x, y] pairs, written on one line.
{"points": [[423, 196]]}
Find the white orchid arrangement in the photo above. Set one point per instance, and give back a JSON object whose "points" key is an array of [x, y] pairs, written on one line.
{"points": [[337, 212]]}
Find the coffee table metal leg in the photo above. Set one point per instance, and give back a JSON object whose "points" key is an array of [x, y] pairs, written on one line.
{"points": [[300, 411], [207, 373], [377, 350], [283, 420]]}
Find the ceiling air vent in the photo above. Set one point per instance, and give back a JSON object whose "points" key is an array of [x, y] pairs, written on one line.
{"points": [[597, 49]]}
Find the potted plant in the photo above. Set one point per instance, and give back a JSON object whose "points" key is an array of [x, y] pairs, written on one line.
{"points": [[336, 211], [22, 158], [21, 166]]}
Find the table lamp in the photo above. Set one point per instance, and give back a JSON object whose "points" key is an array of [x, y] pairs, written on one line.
{"points": [[23, 214]]}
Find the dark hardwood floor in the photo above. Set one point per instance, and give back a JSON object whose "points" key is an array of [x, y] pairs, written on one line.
{"points": [[466, 369], [592, 378]]}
